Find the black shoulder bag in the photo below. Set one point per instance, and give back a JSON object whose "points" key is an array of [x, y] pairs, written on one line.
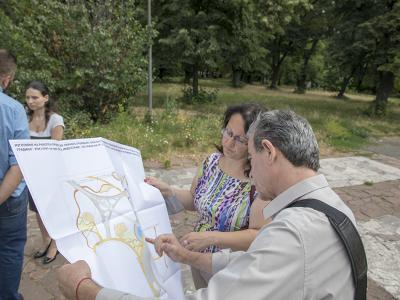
{"points": [[347, 232]]}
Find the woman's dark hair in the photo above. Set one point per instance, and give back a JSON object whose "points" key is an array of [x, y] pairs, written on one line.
{"points": [[44, 90], [249, 112]]}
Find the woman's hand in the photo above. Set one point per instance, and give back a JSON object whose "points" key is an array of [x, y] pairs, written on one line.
{"points": [[197, 241], [164, 187]]}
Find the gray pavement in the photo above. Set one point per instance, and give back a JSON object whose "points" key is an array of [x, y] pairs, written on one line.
{"points": [[371, 187], [389, 146]]}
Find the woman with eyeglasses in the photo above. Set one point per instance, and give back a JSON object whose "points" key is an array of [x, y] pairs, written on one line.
{"points": [[230, 214]]}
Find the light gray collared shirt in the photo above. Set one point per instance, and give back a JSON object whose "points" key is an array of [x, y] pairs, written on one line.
{"points": [[296, 256]]}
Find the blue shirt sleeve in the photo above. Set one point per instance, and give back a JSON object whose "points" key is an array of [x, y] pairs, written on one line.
{"points": [[21, 130]]}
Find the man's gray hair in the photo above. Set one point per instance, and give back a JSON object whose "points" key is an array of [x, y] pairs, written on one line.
{"points": [[288, 132]]}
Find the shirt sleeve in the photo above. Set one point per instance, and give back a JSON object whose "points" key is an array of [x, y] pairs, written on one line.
{"points": [[222, 258], [56, 120], [21, 131], [273, 268], [109, 294]]}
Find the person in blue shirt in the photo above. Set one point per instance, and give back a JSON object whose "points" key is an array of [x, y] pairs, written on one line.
{"points": [[13, 192]]}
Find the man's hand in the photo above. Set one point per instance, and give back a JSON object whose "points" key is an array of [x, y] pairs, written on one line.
{"points": [[70, 275], [168, 244], [197, 241]]}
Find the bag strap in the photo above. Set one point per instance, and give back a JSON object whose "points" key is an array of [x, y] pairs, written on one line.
{"points": [[348, 233]]}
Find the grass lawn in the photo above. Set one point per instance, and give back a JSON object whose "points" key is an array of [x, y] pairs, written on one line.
{"points": [[182, 132]]}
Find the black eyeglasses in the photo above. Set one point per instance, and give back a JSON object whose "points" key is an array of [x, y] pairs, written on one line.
{"points": [[239, 140]]}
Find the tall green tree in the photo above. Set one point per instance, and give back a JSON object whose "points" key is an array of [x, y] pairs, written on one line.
{"points": [[314, 26], [239, 38], [383, 31], [347, 52], [368, 35], [190, 29], [89, 52], [276, 19]]}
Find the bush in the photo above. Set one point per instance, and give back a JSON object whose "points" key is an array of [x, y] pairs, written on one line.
{"points": [[204, 95], [77, 125], [89, 53]]}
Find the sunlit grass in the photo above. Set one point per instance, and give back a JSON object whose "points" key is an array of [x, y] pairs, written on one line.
{"points": [[340, 125]]}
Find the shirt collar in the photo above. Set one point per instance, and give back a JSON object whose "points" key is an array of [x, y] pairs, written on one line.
{"points": [[293, 193], [1, 89]]}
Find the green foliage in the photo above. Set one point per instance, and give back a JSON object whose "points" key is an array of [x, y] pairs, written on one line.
{"points": [[78, 124], [204, 95], [188, 30], [92, 53], [171, 107], [167, 164], [186, 133], [89, 53], [196, 127]]}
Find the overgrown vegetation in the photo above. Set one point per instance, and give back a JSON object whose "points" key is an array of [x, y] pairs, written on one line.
{"points": [[182, 129], [203, 95]]}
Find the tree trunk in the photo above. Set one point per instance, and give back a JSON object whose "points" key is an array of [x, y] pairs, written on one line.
{"points": [[264, 79], [301, 82], [188, 75], [161, 73], [277, 60], [274, 76], [236, 76], [302, 77], [345, 83], [383, 90], [248, 78], [361, 76], [195, 83]]}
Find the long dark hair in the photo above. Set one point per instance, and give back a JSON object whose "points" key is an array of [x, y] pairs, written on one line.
{"points": [[249, 112], [50, 106]]}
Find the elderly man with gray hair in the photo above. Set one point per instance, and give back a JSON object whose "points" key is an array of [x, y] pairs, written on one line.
{"points": [[301, 254]]}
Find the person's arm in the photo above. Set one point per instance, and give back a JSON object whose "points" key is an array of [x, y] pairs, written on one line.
{"points": [[256, 219], [13, 176], [56, 123], [184, 196], [169, 244], [236, 240], [75, 280], [57, 133], [10, 182], [272, 269], [71, 275]]}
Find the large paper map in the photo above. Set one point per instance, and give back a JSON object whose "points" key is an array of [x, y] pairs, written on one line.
{"points": [[92, 198]]}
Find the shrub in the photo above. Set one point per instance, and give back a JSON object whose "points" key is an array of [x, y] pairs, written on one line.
{"points": [[203, 96], [89, 53]]}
